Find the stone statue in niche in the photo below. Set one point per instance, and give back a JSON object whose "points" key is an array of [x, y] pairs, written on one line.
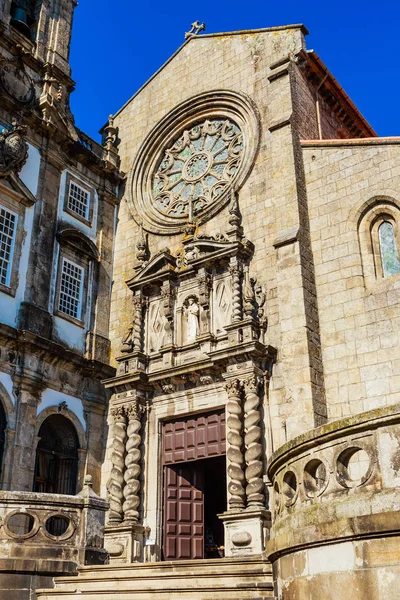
{"points": [[191, 310], [127, 341]]}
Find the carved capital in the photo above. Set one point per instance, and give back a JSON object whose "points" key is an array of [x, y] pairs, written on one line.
{"points": [[251, 385], [134, 410], [118, 413], [235, 269], [233, 387]]}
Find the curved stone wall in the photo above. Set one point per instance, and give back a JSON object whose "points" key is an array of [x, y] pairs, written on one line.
{"points": [[336, 503]]}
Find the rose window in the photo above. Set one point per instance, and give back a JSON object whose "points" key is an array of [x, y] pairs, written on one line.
{"points": [[197, 168]]}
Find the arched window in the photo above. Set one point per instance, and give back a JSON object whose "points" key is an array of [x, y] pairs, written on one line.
{"points": [[388, 249], [56, 468], [379, 237]]}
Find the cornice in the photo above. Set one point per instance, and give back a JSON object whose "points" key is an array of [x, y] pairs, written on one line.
{"points": [[20, 340]]}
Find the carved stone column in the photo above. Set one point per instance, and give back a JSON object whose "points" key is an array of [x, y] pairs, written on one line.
{"points": [[137, 333], [116, 481], [167, 305], [235, 269], [132, 464], [236, 484], [245, 525], [28, 388], [254, 466], [204, 282]]}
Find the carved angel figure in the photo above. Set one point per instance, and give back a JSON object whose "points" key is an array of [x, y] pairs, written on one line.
{"points": [[192, 315]]}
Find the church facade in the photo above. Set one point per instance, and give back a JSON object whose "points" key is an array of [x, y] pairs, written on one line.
{"points": [[249, 353]]}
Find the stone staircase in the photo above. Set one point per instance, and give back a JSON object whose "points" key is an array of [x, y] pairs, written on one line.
{"points": [[218, 579]]}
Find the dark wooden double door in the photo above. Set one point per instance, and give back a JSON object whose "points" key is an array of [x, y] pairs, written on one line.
{"points": [[193, 463]]}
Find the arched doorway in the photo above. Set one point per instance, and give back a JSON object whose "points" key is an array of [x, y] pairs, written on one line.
{"points": [[56, 468]]}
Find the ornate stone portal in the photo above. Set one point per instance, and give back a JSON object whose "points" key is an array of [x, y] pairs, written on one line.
{"points": [[197, 320]]}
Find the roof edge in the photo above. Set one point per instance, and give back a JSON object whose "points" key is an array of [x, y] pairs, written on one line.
{"points": [[351, 142], [312, 57], [300, 26]]}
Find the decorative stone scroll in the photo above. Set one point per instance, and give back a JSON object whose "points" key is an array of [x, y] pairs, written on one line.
{"points": [[254, 466], [116, 482], [236, 485], [132, 463]]}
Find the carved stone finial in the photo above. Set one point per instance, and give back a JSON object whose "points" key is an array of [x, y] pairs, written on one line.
{"points": [[141, 246], [195, 30], [235, 231], [13, 149], [110, 133], [88, 481], [235, 218]]}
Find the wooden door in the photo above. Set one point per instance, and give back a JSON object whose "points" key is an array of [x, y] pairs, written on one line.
{"points": [[183, 511]]}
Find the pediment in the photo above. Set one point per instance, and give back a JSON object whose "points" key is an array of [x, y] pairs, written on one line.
{"points": [[78, 241], [205, 248], [160, 265], [15, 188]]}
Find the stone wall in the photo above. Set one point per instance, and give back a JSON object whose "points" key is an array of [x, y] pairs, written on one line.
{"points": [[347, 182]]}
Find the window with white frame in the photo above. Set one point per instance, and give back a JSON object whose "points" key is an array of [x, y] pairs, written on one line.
{"points": [[78, 200], [8, 227], [71, 286]]}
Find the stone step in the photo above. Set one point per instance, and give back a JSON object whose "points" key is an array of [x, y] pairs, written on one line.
{"points": [[223, 579]]}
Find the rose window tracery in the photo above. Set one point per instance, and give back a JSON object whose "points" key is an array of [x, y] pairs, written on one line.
{"points": [[197, 168]]}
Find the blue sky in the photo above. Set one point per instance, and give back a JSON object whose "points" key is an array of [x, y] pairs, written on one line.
{"points": [[117, 46]]}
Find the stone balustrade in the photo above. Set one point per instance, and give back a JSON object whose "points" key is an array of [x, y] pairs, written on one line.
{"points": [[50, 533], [336, 505]]}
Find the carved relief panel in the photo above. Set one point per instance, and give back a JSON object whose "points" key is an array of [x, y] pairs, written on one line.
{"points": [[155, 325]]}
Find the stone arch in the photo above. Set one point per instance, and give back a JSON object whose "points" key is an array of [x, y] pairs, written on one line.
{"points": [[66, 412], [368, 217], [9, 432], [8, 406], [58, 460]]}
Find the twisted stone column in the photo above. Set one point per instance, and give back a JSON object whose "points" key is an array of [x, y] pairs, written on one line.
{"points": [[132, 464], [116, 481], [235, 270], [254, 466], [137, 333], [236, 484]]}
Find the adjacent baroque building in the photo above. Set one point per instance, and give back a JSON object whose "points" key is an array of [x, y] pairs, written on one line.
{"points": [[253, 447], [58, 198]]}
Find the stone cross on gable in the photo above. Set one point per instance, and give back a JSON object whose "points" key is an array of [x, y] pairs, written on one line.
{"points": [[196, 28]]}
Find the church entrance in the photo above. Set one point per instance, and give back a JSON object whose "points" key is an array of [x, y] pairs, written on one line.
{"points": [[194, 482]]}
